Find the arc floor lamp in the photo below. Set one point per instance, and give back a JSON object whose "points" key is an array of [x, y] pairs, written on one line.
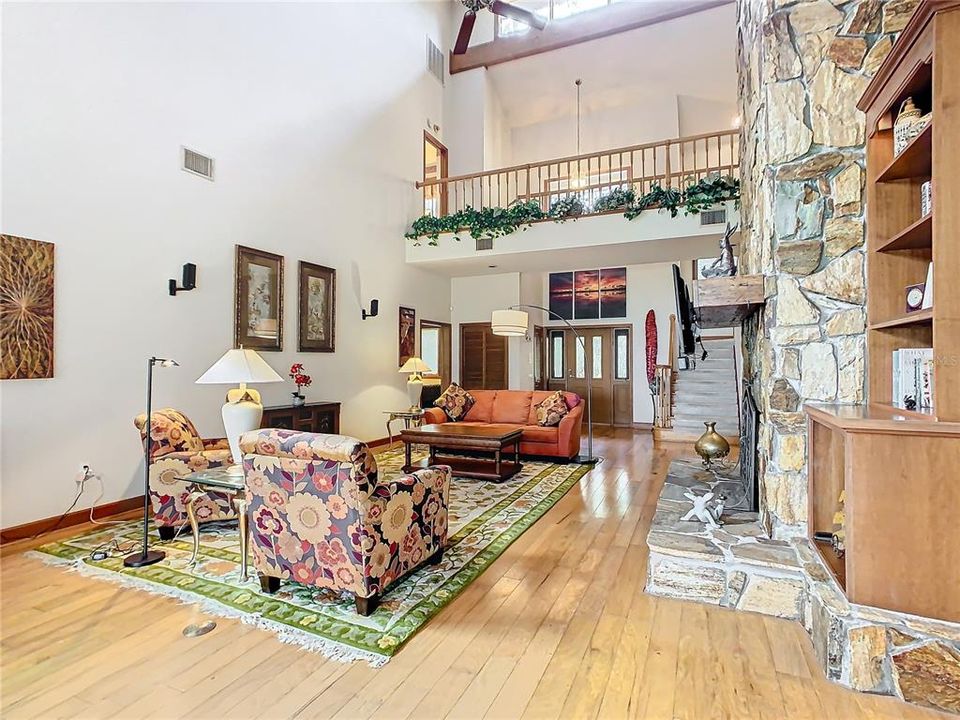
{"points": [[515, 322]]}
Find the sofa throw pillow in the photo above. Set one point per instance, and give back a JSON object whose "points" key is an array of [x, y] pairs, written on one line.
{"points": [[455, 402], [551, 410]]}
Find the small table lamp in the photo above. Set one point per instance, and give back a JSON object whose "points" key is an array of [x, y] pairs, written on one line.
{"points": [[242, 411], [416, 367]]}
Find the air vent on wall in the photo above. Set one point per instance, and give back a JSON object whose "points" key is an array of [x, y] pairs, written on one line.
{"points": [[195, 163], [484, 243], [713, 217], [435, 61]]}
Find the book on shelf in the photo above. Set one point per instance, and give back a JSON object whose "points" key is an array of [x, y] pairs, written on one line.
{"points": [[913, 379]]}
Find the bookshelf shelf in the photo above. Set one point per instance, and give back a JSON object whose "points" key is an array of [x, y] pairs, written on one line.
{"points": [[918, 317], [914, 162], [889, 462], [915, 236]]}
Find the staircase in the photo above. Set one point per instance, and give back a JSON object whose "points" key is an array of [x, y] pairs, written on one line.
{"points": [[708, 393]]}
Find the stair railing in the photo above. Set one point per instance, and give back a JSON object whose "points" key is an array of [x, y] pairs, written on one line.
{"points": [[664, 381]]}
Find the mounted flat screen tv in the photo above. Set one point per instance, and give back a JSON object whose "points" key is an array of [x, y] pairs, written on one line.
{"points": [[684, 313]]}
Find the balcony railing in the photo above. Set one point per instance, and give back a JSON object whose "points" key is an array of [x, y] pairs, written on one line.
{"points": [[669, 163]]}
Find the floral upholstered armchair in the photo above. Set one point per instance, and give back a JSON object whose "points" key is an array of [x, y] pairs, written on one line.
{"points": [[177, 450], [321, 516]]}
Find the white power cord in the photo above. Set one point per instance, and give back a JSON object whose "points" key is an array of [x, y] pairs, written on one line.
{"points": [[93, 506]]}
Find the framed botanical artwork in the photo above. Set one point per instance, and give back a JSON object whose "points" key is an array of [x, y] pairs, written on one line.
{"points": [[26, 308], [408, 334], [318, 308], [258, 300]]}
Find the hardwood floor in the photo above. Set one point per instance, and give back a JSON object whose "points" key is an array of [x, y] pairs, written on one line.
{"points": [[558, 626]]}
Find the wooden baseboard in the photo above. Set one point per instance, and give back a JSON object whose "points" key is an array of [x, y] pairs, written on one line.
{"points": [[78, 517], [379, 442]]}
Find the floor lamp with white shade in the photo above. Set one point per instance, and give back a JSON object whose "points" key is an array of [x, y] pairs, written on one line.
{"points": [[242, 411], [515, 322]]}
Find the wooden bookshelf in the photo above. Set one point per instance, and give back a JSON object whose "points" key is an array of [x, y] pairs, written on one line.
{"points": [[914, 237], [897, 467]]}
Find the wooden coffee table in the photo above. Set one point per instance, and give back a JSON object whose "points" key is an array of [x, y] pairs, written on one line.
{"points": [[480, 438]]}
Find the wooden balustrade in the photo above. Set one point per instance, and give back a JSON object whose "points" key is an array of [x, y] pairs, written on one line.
{"points": [[669, 163], [663, 400]]}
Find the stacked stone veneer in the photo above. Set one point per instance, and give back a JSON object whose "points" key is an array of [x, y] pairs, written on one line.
{"points": [[802, 68], [739, 566]]}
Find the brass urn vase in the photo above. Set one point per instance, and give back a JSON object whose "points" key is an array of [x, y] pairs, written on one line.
{"points": [[711, 445]]}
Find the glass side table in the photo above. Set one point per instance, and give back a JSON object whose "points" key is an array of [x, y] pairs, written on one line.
{"points": [[228, 477], [410, 419]]}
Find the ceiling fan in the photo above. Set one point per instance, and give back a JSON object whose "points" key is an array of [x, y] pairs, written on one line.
{"points": [[497, 7]]}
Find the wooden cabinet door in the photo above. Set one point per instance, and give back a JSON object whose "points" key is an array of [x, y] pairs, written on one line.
{"points": [[484, 358]]}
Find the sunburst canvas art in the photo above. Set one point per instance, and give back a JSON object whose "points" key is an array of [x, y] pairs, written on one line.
{"points": [[26, 308]]}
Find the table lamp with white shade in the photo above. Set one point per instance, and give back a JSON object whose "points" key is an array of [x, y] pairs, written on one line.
{"points": [[416, 368], [242, 411]]}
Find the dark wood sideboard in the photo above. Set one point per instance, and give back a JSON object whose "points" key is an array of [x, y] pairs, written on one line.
{"points": [[316, 417]]}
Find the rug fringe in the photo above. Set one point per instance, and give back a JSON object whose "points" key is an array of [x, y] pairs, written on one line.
{"points": [[330, 649]]}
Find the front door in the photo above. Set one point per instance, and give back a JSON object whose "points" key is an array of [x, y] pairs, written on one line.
{"points": [[604, 355]]}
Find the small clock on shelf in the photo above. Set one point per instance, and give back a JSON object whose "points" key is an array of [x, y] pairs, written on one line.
{"points": [[914, 297]]}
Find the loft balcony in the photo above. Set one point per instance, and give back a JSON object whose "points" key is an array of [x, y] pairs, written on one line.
{"points": [[653, 236]]}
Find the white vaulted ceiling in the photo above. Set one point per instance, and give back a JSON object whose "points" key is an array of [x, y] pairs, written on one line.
{"points": [[692, 56]]}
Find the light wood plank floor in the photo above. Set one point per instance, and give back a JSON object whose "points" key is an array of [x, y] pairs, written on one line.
{"points": [[559, 626]]}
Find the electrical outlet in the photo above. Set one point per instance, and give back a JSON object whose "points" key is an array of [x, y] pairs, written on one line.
{"points": [[83, 475]]}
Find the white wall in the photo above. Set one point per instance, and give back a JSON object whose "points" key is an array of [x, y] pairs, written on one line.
{"points": [[473, 299], [702, 115], [463, 128], [313, 113], [632, 123]]}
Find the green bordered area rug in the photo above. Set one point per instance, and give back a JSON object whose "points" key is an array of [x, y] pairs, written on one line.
{"points": [[485, 518]]}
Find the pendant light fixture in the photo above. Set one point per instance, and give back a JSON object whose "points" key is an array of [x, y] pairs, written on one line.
{"points": [[577, 179]]}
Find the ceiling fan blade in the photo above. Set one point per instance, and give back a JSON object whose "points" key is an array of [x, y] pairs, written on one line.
{"points": [[517, 13], [466, 30]]}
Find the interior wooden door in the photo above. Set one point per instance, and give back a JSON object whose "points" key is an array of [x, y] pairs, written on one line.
{"points": [[435, 348], [484, 360], [434, 168]]}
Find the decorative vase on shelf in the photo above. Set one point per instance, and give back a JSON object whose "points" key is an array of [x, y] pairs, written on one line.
{"points": [[711, 445], [907, 126], [298, 399]]}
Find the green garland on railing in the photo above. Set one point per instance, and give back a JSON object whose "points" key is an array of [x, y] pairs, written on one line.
{"points": [[489, 223]]}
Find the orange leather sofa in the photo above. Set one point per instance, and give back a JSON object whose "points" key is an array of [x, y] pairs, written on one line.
{"points": [[518, 408]]}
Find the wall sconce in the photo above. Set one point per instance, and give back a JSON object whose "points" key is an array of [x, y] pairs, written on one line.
{"points": [[374, 309], [189, 279]]}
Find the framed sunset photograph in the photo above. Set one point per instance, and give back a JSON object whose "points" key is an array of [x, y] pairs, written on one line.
{"points": [[561, 294], [586, 294], [613, 292]]}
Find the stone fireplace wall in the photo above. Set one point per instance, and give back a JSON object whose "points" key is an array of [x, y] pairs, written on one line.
{"points": [[802, 68]]}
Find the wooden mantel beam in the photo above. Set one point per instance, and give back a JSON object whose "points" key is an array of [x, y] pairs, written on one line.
{"points": [[592, 25]]}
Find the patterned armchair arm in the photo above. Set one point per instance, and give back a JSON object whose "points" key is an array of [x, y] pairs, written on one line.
{"points": [[170, 494], [404, 524]]}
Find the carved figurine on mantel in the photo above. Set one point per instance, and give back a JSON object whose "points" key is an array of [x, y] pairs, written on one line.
{"points": [[702, 510], [723, 266]]}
